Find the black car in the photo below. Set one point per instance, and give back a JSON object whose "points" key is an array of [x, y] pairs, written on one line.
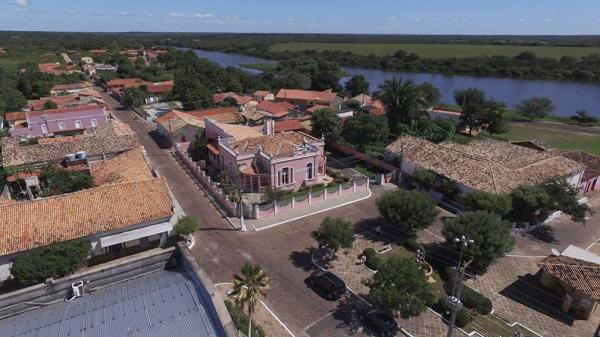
{"points": [[381, 321], [329, 285]]}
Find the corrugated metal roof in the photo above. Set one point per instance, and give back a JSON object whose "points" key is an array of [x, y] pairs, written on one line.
{"points": [[161, 304]]}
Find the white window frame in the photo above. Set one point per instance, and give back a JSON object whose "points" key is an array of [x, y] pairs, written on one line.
{"points": [[44, 128], [61, 126], [285, 172], [77, 124], [94, 122]]}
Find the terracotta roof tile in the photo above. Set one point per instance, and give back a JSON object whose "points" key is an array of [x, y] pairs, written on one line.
{"points": [[32, 224], [273, 108], [281, 144], [288, 125], [126, 167], [583, 276], [326, 96]]}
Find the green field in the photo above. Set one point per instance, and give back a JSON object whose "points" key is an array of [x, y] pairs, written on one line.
{"points": [[13, 60], [437, 50], [561, 140]]}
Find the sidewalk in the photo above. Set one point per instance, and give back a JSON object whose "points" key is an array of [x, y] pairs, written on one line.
{"points": [[302, 212]]}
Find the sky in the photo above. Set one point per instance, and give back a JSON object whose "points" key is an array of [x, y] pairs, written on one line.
{"points": [[517, 17]]}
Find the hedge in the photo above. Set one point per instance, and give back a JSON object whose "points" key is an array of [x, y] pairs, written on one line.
{"points": [[373, 261], [462, 316], [470, 297], [240, 320]]}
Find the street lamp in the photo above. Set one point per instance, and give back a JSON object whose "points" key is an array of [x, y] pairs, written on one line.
{"points": [[453, 300]]}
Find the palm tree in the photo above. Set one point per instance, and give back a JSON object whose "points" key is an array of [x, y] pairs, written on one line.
{"points": [[402, 101], [249, 287]]}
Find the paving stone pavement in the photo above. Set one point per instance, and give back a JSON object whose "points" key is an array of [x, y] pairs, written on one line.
{"points": [[428, 324], [510, 282]]}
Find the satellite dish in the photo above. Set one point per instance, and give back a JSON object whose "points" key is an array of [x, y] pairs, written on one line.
{"points": [[555, 252]]}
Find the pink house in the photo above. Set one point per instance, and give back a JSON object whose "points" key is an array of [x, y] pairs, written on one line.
{"points": [[287, 160], [48, 123]]}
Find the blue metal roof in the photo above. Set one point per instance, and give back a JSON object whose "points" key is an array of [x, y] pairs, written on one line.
{"points": [[160, 304]]}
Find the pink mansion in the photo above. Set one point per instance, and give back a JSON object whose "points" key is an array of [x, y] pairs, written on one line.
{"points": [[258, 159]]}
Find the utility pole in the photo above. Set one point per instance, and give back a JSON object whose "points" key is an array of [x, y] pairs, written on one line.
{"points": [[453, 300]]}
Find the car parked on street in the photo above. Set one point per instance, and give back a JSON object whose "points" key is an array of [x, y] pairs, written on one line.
{"points": [[327, 284], [380, 321]]}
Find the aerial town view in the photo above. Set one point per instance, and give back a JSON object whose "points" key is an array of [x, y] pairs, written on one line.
{"points": [[229, 168]]}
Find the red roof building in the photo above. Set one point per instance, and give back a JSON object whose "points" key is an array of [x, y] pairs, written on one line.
{"points": [[309, 98]]}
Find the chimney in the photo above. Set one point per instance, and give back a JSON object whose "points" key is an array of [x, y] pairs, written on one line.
{"points": [[269, 127]]}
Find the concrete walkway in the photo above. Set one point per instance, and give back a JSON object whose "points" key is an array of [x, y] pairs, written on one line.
{"points": [[301, 212]]}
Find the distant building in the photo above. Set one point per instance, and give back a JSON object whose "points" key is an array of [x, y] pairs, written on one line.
{"points": [[375, 107], [70, 88], [445, 114], [120, 84], [287, 160], [263, 95], [155, 110], [307, 98], [48, 123], [590, 181]]}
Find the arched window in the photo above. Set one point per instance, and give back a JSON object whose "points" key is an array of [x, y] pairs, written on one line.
{"points": [[309, 171]]}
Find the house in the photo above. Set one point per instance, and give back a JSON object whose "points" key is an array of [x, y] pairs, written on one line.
{"points": [[48, 123], [575, 276], [290, 125], [126, 167], [375, 107], [104, 142], [160, 87], [315, 108], [263, 95], [288, 160], [82, 98], [483, 165], [307, 98], [155, 110], [69, 88], [275, 110], [180, 127], [120, 84], [445, 114], [590, 181], [110, 218], [244, 102], [362, 99], [98, 51]]}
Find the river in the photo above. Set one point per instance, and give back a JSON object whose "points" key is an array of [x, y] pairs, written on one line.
{"points": [[567, 96]]}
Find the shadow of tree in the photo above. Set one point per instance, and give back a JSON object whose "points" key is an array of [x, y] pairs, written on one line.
{"points": [[528, 291], [303, 259], [544, 234]]}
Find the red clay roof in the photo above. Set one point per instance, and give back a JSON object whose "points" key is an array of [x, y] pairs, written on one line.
{"points": [[288, 125], [583, 276], [314, 108], [125, 82], [210, 112], [375, 107], [306, 95], [275, 109], [262, 93]]}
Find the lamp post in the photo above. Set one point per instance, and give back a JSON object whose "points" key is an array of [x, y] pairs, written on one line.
{"points": [[453, 300]]}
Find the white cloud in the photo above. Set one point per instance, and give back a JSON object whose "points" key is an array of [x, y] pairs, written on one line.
{"points": [[202, 15], [176, 15], [22, 2]]}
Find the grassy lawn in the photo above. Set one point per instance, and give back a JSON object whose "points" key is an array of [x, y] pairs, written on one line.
{"points": [[491, 326], [436, 50], [13, 60], [561, 140]]}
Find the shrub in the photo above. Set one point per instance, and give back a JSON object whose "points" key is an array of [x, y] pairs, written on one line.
{"points": [[411, 244], [373, 261], [334, 233], [470, 297], [462, 317], [240, 320], [186, 225], [55, 260]]}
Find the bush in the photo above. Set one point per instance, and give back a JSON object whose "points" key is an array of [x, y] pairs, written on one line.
{"points": [[462, 317], [240, 320], [411, 244], [55, 260], [186, 225], [373, 261], [470, 297]]}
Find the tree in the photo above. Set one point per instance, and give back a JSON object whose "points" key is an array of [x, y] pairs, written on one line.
{"points": [[532, 204], [490, 115], [407, 211], [469, 96], [134, 96], [500, 204], [434, 131], [49, 105], [326, 123], [535, 107], [423, 180], [11, 99], [364, 130], [190, 90], [249, 288], [400, 285], [430, 94], [55, 260], [199, 150], [186, 225], [402, 103], [492, 236], [57, 181], [334, 233], [357, 85], [581, 117]]}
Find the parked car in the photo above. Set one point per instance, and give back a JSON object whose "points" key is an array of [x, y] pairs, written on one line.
{"points": [[330, 286], [381, 321]]}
